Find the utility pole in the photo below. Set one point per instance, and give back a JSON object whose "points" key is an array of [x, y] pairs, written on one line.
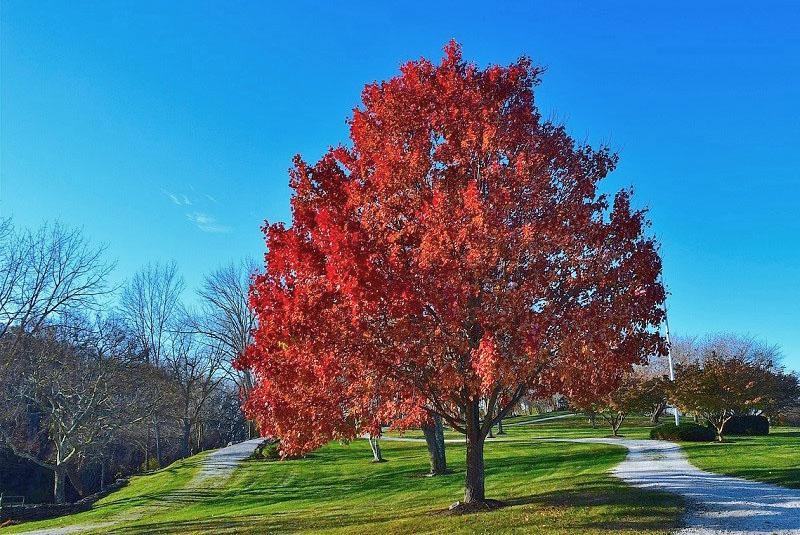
{"points": [[669, 358]]}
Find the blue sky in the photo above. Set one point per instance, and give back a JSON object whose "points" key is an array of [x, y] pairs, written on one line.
{"points": [[165, 129]]}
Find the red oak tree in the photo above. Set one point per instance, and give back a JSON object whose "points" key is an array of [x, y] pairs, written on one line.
{"points": [[453, 258]]}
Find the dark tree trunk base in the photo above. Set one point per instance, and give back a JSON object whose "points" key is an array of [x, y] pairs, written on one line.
{"points": [[460, 508], [435, 474]]}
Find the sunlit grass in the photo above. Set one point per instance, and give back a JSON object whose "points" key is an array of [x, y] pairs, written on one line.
{"points": [[774, 458], [551, 487]]}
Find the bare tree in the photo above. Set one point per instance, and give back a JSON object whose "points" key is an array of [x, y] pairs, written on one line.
{"points": [[226, 319], [195, 368], [46, 273], [62, 399], [150, 301]]}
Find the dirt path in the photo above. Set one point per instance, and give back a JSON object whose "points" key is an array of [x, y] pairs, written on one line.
{"points": [[215, 468], [717, 504]]}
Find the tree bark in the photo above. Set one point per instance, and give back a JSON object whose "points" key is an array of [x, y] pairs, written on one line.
{"points": [[147, 452], [59, 484], [434, 438], [75, 479], [158, 442], [657, 412], [187, 437], [475, 491], [500, 430], [376, 449]]}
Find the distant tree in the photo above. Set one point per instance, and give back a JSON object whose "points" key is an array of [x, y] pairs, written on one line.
{"points": [[458, 250], [62, 401], [150, 303], [196, 371], [44, 274], [226, 318], [722, 386], [633, 393]]}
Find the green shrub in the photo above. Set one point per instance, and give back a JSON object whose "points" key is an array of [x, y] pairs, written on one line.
{"points": [[688, 431], [746, 425], [269, 450]]}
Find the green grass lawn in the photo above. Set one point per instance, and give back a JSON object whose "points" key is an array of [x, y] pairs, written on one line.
{"points": [[774, 458], [142, 492], [552, 488]]}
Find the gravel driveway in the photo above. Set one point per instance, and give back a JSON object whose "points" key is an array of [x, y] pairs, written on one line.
{"points": [[717, 504]]}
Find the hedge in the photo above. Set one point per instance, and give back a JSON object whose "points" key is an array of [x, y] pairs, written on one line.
{"points": [[688, 431], [746, 425]]}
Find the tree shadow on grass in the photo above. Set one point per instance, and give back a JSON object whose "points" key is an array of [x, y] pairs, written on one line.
{"points": [[643, 511]]}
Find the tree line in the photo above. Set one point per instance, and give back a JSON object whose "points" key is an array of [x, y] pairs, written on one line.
{"points": [[98, 381]]}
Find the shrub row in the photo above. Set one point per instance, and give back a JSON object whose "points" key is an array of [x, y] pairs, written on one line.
{"points": [[746, 425], [692, 432], [688, 431]]}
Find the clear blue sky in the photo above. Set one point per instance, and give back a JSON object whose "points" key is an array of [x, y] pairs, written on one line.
{"points": [[165, 129]]}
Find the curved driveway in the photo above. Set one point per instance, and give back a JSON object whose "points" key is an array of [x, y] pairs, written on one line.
{"points": [[717, 504]]}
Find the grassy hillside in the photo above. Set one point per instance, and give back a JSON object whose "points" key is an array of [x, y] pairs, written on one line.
{"points": [[553, 488]]}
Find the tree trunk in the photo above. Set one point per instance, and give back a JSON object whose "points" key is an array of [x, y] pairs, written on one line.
{"points": [[657, 412], [500, 430], [59, 484], [434, 438], [75, 479], [147, 452], [376, 449], [199, 435], [441, 458], [592, 420], [187, 437], [102, 474], [616, 422], [474, 491], [158, 442], [718, 428]]}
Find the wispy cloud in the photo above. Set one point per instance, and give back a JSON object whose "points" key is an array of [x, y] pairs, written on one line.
{"points": [[179, 199], [202, 219], [207, 223]]}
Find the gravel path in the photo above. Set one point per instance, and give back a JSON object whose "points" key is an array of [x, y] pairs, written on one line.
{"points": [[717, 504], [222, 462], [214, 469]]}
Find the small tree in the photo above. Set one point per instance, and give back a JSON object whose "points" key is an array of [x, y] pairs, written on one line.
{"points": [[633, 393], [722, 386]]}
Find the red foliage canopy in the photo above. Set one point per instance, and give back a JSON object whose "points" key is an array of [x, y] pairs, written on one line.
{"points": [[458, 251]]}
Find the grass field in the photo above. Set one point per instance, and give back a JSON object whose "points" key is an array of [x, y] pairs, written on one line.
{"points": [[774, 458], [551, 487]]}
